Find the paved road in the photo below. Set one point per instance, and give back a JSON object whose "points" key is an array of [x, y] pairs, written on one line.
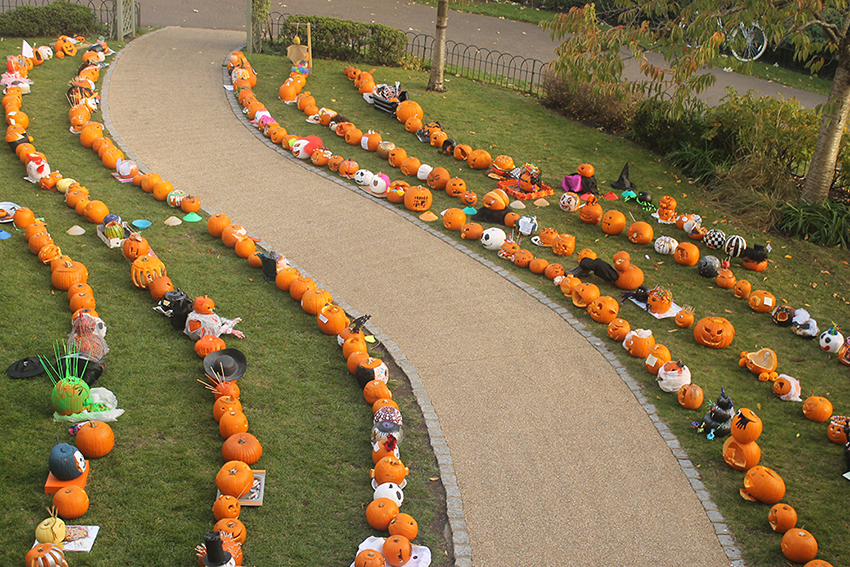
{"points": [[549, 483], [516, 38]]}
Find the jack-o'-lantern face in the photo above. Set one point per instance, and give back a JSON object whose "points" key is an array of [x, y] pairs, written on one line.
{"points": [[742, 289], [547, 236], [334, 162], [495, 201], [438, 178], [584, 294], [613, 222], [397, 156], [479, 159], [603, 309], [508, 249], [455, 187], [638, 342], [618, 329], [622, 261], [564, 244], [321, 156], [437, 138], [454, 219], [725, 278], [714, 332], [591, 212], [410, 166], [667, 202], [471, 231], [462, 152]]}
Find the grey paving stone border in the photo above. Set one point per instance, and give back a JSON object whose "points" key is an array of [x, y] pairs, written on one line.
{"points": [[454, 499]]}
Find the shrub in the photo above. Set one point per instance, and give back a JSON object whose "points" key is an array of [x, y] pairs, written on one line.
{"points": [[826, 225], [58, 18], [653, 127], [587, 102], [345, 40]]}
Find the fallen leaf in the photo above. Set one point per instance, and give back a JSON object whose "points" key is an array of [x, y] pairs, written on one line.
{"points": [[434, 478], [788, 256], [797, 359], [728, 311]]}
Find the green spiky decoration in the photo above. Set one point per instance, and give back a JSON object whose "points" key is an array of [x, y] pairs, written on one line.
{"points": [[70, 394]]}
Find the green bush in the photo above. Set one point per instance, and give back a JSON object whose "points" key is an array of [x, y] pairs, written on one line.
{"points": [[345, 40], [826, 225], [653, 127], [58, 18], [586, 102]]}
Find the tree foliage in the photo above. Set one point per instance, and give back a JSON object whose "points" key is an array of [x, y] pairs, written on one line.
{"points": [[673, 44]]}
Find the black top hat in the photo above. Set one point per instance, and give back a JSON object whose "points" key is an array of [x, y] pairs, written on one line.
{"points": [[216, 556], [25, 368], [227, 364]]}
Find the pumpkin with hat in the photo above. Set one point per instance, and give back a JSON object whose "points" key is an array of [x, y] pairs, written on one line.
{"points": [[226, 365]]}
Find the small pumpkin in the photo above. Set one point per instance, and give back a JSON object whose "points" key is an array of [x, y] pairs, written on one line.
{"points": [[585, 170], [564, 244], [71, 502], [554, 270], [836, 432], [404, 525], [685, 317], [638, 342], [742, 289], [369, 558], [659, 356], [523, 258], [782, 517], [763, 484], [285, 277], [690, 396], [300, 286], [454, 219], [232, 527], [469, 198], [232, 422], [538, 265], [591, 212], [217, 223], [471, 231], [226, 506], [397, 550], [725, 278], [95, 439]]}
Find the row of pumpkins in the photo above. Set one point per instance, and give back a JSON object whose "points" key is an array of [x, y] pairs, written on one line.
{"points": [[715, 332], [389, 472], [740, 451]]}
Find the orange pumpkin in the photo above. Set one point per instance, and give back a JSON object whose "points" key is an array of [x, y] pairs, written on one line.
{"points": [[418, 199], [641, 232], [638, 342], [799, 546], [658, 356], [537, 265], [471, 231], [591, 212], [454, 219], [782, 517], [613, 222], [380, 512], [742, 289], [410, 166], [746, 425], [714, 332], [686, 254], [553, 270], [725, 278], [685, 317], [462, 152], [455, 187], [762, 301], [817, 408], [438, 178], [618, 329], [835, 432], [763, 484], [584, 294], [690, 396], [630, 278], [741, 456], [479, 159], [564, 244], [469, 198]]}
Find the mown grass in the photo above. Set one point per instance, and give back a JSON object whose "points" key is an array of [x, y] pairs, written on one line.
{"points": [[799, 274], [157, 485]]}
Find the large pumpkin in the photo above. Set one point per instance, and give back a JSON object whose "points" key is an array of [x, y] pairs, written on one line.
{"points": [[799, 545], [95, 439], [690, 396], [613, 222], [418, 199], [641, 232], [763, 484], [817, 408], [686, 254], [714, 332], [234, 478], [603, 309], [242, 447], [741, 456]]}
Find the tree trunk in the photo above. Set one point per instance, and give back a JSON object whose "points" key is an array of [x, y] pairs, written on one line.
{"points": [[822, 169], [438, 64]]}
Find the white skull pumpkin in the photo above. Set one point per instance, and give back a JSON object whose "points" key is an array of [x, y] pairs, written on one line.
{"points": [[493, 238]]}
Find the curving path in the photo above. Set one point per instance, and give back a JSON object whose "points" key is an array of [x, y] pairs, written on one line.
{"points": [[553, 482]]}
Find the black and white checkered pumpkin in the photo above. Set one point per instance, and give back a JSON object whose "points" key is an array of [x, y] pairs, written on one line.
{"points": [[714, 239], [734, 245]]}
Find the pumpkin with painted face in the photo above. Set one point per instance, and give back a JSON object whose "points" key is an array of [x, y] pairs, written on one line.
{"points": [[569, 202], [714, 332]]}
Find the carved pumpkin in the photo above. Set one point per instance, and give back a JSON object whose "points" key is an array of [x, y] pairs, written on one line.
{"points": [[454, 219], [762, 362], [799, 546], [817, 408], [225, 404], [410, 166], [226, 506], [389, 469], [763, 484], [380, 512], [418, 199], [782, 517], [397, 550], [300, 286], [564, 245], [331, 319], [217, 223], [479, 159], [746, 425], [496, 200], [232, 527], [523, 258], [603, 309], [462, 152], [285, 277], [585, 170], [622, 261], [742, 289], [404, 525], [725, 279], [471, 231], [135, 246], [714, 332], [836, 432], [686, 254], [741, 456], [45, 555], [659, 300], [455, 187], [618, 329], [762, 301], [638, 342], [369, 558], [438, 178], [690, 396], [584, 294], [591, 212], [641, 233], [553, 270], [613, 222], [754, 265]]}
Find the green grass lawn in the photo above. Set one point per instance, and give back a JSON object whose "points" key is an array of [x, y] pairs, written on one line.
{"points": [[300, 400]]}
